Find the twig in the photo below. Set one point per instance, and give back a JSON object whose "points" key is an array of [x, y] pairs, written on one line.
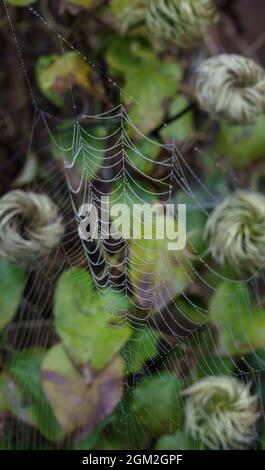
{"points": [[171, 119]]}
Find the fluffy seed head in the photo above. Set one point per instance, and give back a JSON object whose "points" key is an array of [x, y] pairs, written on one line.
{"points": [[30, 226], [220, 412], [181, 22], [231, 88], [236, 232], [130, 14]]}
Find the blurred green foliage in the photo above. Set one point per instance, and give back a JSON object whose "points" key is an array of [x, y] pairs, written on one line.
{"points": [[242, 145], [148, 81], [111, 374]]}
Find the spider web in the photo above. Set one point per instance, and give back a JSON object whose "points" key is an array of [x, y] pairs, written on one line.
{"points": [[97, 156]]}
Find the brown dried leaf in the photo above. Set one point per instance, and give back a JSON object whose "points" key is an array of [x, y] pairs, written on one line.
{"points": [[78, 405]]}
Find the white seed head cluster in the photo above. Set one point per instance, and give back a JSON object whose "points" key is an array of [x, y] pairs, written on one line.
{"points": [[30, 226], [181, 22], [131, 13], [231, 87], [220, 412], [236, 232]]}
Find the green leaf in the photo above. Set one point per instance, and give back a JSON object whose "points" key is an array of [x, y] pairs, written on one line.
{"points": [[4, 400], [81, 147], [241, 146], [182, 128], [188, 310], [80, 404], [212, 179], [12, 284], [115, 303], [149, 81], [90, 440], [85, 3], [255, 361], [123, 431], [142, 155], [129, 193], [178, 441], [262, 441], [82, 321], [20, 3], [141, 347], [241, 330], [16, 403], [56, 74], [157, 274], [157, 404], [132, 192], [215, 365], [253, 365], [12, 401], [25, 369], [196, 205]]}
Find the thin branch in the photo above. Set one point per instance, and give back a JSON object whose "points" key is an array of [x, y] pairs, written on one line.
{"points": [[171, 119]]}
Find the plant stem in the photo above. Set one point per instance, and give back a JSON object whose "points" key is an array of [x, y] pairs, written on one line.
{"points": [[171, 119]]}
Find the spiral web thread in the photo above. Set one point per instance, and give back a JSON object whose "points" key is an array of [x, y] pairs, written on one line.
{"points": [[33, 324]]}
